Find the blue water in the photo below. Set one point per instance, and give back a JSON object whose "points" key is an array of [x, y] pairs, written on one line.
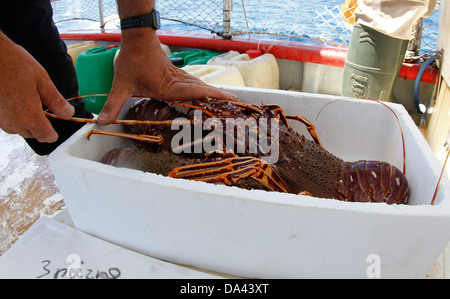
{"points": [[313, 20]]}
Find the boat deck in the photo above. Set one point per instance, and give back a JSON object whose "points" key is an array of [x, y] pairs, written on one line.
{"points": [[27, 189]]}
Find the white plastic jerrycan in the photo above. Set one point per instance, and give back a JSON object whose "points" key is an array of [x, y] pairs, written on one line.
{"points": [[76, 49], [216, 74], [261, 72]]}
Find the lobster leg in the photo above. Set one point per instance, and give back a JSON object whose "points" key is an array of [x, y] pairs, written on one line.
{"points": [[278, 111], [248, 107], [237, 104], [231, 170], [194, 107], [309, 126]]}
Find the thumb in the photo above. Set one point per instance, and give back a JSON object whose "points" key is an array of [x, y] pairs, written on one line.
{"points": [[112, 107], [51, 98]]}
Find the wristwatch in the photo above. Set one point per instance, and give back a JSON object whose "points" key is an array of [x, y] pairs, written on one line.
{"points": [[147, 20]]}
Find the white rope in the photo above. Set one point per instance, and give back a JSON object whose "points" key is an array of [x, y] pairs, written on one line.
{"points": [[246, 20]]}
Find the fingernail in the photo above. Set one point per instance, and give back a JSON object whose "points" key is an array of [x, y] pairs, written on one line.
{"points": [[53, 138], [69, 109], [103, 116], [49, 139], [232, 96]]}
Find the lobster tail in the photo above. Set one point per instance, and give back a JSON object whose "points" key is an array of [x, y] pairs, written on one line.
{"points": [[372, 181]]}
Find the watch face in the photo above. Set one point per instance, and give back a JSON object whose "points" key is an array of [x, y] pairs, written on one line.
{"points": [[157, 20]]}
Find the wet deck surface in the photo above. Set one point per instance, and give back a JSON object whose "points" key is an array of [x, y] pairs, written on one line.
{"points": [[28, 190]]}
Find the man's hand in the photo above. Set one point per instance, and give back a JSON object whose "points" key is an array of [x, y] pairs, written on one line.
{"points": [[144, 69], [24, 87]]}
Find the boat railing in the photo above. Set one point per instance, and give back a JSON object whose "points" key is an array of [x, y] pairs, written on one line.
{"points": [[326, 22]]}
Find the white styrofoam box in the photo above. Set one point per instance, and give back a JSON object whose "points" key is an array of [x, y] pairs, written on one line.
{"points": [[216, 74], [255, 233]]}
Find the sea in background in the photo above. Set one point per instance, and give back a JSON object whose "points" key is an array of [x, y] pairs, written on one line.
{"points": [[300, 20]]}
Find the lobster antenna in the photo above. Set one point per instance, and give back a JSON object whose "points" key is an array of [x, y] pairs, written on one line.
{"points": [[440, 177], [125, 122], [78, 97], [398, 122], [117, 122]]}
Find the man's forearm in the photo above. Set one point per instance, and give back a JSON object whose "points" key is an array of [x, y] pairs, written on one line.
{"points": [[130, 8]]}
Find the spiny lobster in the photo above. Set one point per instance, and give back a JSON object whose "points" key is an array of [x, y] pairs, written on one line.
{"points": [[303, 165]]}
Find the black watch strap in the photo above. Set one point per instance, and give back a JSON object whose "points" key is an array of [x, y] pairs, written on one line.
{"points": [[147, 20]]}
